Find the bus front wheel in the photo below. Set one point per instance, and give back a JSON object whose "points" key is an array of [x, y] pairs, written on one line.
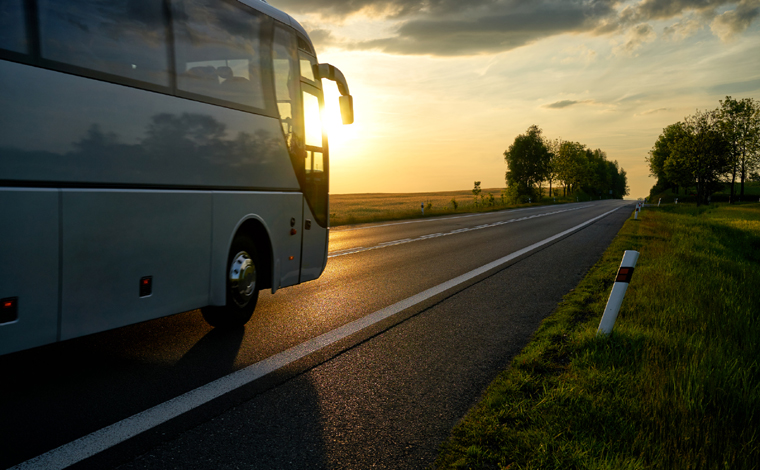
{"points": [[242, 290]]}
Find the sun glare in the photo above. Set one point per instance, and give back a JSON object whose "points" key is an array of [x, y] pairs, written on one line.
{"points": [[337, 133]]}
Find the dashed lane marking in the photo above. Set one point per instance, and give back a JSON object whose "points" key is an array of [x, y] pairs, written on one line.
{"points": [[360, 249]]}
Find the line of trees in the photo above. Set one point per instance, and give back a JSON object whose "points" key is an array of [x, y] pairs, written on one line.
{"points": [[533, 160], [708, 150]]}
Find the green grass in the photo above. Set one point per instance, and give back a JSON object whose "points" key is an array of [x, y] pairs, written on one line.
{"points": [[375, 207], [676, 385]]}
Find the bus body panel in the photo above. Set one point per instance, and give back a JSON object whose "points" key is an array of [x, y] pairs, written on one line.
{"points": [[111, 134], [114, 238], [29, 266], [274, 211]]}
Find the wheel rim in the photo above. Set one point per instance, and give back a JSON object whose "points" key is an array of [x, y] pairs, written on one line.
{"points": [[242, 278]]}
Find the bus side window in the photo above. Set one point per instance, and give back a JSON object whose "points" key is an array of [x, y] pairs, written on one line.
{"points": [[306, 69], [219, 52], [285, 60], [313, 120], [13, 26], [120, 38]]}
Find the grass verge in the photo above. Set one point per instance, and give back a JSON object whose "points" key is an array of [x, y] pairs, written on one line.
{"points": [[676, 385]]}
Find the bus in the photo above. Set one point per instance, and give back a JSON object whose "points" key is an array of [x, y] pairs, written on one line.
{"points": [[156, 156]]}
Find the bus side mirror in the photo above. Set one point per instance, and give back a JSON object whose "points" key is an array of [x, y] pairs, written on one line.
{"points": [[347, 109], [346, 100]]}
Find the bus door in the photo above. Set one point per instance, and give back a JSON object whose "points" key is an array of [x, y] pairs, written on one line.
{"points": [[316, 186], [299, 100]]}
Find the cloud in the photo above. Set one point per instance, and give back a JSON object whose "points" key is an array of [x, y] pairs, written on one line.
{"points": [[321, 37], [503, 26], [324, 39], [385, 8], [636, 37], [561, 104], [736, 87], [683, 29], [652, 111], [665, 9], [566, 103], [580, 54], [631, 97], [732, 22], [457, 27]]}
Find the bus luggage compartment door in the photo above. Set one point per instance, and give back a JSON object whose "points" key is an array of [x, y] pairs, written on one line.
{"points": [[113, 239], [29, 266]]}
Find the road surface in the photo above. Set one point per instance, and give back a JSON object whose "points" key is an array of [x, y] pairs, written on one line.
{"points": [[367, 367]]}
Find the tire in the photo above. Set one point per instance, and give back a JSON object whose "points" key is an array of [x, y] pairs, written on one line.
{"points": [[242, 292]]}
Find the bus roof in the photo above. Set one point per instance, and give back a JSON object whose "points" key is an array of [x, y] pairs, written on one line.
{"points": [[279, 15]]}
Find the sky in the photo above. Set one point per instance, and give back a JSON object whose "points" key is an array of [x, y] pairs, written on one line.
{"points": [[441, 88]]}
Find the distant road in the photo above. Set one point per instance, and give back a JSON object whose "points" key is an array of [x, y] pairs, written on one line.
{"points": [[369, 365]]}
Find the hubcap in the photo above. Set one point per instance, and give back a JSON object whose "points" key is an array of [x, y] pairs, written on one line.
{"points": [[242, 278]]}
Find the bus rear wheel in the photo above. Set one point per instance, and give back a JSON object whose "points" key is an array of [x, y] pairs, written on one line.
{"points": [[242, 290]]}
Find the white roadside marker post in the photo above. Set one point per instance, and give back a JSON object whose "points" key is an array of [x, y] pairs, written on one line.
{"points": [[676, 200], [624, 275], [636, 213], [422, 208], [658, 202]]}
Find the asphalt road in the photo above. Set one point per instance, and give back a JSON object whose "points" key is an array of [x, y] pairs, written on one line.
{"points": [[384, 396]]}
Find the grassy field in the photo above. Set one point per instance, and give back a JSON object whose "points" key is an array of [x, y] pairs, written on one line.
{"points": [[359, 208], [675, 386]]}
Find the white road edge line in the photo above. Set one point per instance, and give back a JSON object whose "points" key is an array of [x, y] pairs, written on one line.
{"points": [[102, 439]]}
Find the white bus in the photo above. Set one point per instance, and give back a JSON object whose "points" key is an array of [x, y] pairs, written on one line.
{"points": [[156, 156]]}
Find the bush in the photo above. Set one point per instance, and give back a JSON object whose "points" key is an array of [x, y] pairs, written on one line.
{"points": [[520, 194]]}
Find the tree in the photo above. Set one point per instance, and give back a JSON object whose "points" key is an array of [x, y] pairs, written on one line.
{"points": [[660, 154], [621, 186], [751, 145], [676, 167], [740, 125], [476, 188], [730, 112], [475, 192], [533, 159], [553, 147], [527, 162], [701, 151], [598, 181], [572, 165], [618, 180]]}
